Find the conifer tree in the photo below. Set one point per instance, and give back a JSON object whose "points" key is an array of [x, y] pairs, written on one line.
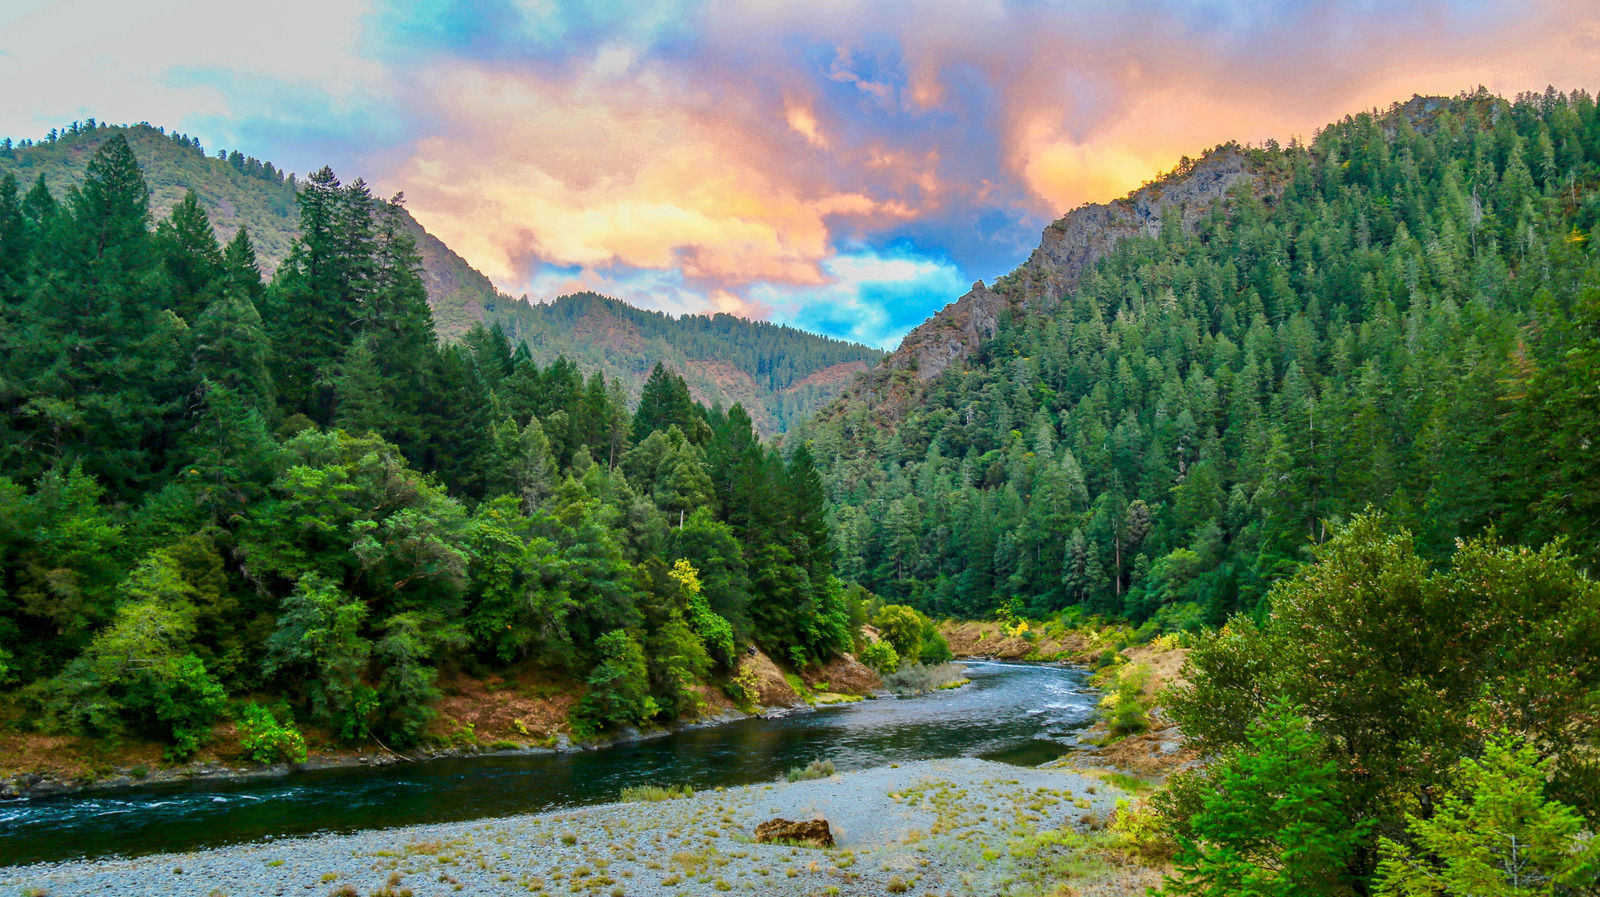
{"points": [[190, 257]]}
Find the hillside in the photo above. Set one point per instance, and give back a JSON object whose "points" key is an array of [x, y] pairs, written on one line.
{"points": [[778, 373], [241, 190], [1181, 391]]}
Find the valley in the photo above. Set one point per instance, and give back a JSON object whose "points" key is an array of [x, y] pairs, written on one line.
{"points": [[1260, 506]]}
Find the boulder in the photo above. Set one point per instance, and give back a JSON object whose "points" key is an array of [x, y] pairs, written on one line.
{"points": [[815, 832]]}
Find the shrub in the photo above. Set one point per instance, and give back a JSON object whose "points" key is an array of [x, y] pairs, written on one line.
{"points": [[745, 687], [902, 627], [265, 740], [818, 769], [880, 655], [935, 649], [917, 679], [1123, 706], [619, 687], [1143, 831], [653, 793]]}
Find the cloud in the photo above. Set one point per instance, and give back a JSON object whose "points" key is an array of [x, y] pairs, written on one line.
{"points": [[763, 158], [872, 296]]}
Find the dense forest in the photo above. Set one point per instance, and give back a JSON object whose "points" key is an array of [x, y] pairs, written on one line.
{"points": [[1400, 314], [779, 374], [215, 488]]}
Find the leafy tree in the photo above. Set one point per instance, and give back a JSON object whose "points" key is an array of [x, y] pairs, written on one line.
{"points": [[1497, 834], [1400, 667], [618, 692], [318, 644], [712, 630], [902, 626]]}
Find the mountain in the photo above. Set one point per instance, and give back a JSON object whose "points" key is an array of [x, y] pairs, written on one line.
{"points": [[1179, 393], [778, 373], [240, 190]]}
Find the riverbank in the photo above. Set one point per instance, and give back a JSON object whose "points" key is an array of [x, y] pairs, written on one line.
{"points": [[941, 827], [522, 712]]}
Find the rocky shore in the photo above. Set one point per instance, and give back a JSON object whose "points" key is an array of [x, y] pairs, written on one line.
{"points": [[937, 827]]}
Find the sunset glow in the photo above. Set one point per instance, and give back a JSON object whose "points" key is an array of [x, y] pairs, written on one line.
{"points": [[842, 166]]}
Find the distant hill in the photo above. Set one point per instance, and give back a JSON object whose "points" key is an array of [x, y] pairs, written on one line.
{"points": [[239, 189], [781, 375], [778, 373]]}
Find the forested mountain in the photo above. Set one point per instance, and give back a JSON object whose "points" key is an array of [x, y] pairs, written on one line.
{"points": [[778, 373], [1174, 398], [240, 191], [215, 486]]}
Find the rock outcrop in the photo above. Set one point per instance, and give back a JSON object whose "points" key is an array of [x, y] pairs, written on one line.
{"points": [[1068, 248], [814, 833]]}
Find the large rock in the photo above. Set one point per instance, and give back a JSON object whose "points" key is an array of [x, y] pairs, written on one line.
{"points": [[815, 832]]}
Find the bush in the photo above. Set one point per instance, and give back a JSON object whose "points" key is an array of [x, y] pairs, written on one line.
{"points": [[653, 793], [880, 655], [1123, 706], [935, 649], [265, 740], [818, 769], [1143, 831], [902, 627], [619, 686], [745, 688], [917, 679]]}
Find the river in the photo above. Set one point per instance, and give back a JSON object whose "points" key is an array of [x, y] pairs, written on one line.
{"points": [[1013, 713]]}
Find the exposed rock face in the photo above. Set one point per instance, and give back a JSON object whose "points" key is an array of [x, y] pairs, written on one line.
{"points": [[1067, 248], [815, 832]]}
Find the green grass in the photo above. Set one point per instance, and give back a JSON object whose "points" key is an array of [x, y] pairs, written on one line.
{"points": [[653, 793]]}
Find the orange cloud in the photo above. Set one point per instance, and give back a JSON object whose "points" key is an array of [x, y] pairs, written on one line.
{"points": [[624, 166]]}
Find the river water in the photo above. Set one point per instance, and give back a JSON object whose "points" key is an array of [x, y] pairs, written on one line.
{"points": [[1013, 713]]}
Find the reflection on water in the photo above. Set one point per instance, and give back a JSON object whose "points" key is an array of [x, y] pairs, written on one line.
{"points": [[1012, 713]]}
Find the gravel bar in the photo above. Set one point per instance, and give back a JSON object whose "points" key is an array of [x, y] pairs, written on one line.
{"points": [[936, 827]]}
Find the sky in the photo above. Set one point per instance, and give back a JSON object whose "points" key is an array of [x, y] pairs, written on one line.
{"points": [[844, 167]]}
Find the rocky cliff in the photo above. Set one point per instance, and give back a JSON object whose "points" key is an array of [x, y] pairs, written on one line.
{"points": [[1067, 248]]}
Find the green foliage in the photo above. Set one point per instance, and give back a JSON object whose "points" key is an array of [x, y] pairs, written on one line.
{"points": [[1124, 707], [880, 655], [902, 626], [1402, 668], [266, 740], [318, 639], [816, 769], [713, 631], [1408, 322], [654, 793], [1495, 834], [618, 692], [1269, 820]]}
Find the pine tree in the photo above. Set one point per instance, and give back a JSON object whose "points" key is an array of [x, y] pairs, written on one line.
{"points": [[241, 274], [190, 257]]}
